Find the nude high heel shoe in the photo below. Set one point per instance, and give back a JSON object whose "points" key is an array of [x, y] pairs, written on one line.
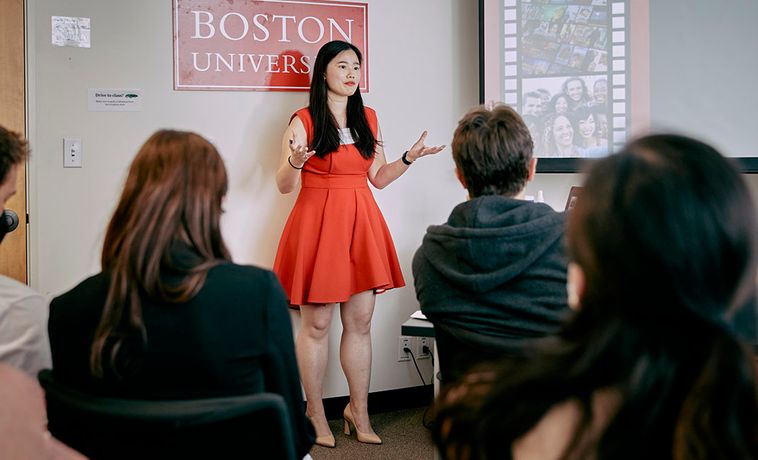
{"points": [[368, 438], [324, 441]]}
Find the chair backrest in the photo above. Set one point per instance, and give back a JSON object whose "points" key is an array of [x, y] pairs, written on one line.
{"points": [[459, 350], [249, 426]]}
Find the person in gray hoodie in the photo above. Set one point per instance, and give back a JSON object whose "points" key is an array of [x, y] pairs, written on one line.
{"points": [[493, 277]]}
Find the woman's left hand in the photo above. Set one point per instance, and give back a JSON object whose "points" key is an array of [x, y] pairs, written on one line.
{"points": [[419, 149]]}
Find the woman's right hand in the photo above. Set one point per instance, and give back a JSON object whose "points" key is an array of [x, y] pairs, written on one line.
{"points": [[293, 155], [299, 153]]}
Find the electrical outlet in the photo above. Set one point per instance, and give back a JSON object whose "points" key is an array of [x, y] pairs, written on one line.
{"points": [[424, 342], [404, 342]]}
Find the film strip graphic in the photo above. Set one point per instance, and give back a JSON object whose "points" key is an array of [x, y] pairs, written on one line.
{"points": [[511, 28], [547, 42], [620, 87]]}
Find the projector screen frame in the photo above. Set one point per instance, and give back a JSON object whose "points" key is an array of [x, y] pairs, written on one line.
{"points": [[747, 165]]}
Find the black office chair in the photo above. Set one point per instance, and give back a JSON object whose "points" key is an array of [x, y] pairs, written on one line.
{"points": [[250, 426], [459, 350]]}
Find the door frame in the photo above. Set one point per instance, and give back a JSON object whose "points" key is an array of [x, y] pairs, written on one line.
{"points": [[14, 250]]}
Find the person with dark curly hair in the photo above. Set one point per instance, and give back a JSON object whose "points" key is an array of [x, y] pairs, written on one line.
{"points": [[576, 89]]}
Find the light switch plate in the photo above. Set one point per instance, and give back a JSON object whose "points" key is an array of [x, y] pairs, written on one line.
{"points": [[72, 153]]}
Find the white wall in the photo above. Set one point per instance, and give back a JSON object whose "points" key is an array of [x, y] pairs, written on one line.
{"points": [[424, 75], [424, 68]]}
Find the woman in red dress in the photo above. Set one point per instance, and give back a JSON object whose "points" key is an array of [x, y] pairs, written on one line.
{"points": [[336, 247]]}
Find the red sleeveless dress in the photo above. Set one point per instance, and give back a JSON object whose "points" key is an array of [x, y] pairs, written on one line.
{"points": [[335, 242]]}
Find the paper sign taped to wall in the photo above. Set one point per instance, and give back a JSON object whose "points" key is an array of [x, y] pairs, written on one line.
{"points": [[68, 31], [114, 100]]}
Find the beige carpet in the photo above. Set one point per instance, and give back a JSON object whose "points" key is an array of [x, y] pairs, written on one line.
{"points": [[403, 436]]}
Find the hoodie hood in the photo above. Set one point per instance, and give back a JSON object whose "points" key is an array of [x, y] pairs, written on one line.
{"points": [[489, 240]]}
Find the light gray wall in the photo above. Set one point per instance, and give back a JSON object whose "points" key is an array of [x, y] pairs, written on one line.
{"points": [[424, 75]]}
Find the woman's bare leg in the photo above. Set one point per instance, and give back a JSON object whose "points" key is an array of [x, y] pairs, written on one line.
{"points": [[312, 348], [355, 353]]}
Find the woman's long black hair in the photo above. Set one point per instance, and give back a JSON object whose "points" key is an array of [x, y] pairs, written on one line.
{"points": [[665, 235], [326, 137]]}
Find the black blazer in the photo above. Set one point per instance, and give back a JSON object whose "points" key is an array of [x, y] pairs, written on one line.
{"points": [[234, 337]]}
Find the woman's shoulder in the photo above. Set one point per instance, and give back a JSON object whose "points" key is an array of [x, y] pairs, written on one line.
{"points": [[304, 117], [370, 112], [243, 276], [552, 435], [96, 285], [304, 114], [303, 111], [371, 117], [233, 269], [80, 306], [244, 288], [549, 438]]}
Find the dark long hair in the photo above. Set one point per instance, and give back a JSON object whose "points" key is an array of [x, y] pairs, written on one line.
{"points": [[665, 234], [585, 99], [172, 195], [326, 137]]}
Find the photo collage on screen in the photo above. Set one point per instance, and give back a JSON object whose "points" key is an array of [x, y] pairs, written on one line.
{"points": [[565, 81]]}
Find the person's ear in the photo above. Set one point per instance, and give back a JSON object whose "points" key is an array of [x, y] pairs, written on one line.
{"points": [[459, 175], [575, 285], [532, 169]]}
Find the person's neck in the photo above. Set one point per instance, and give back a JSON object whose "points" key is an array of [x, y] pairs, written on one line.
{"points": [[338, 106], [519, 196]]}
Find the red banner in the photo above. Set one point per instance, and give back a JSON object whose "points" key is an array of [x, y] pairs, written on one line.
{"points": [[260, 45]]}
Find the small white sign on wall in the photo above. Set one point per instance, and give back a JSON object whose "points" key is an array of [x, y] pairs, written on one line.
{"points": [[68, 31], [114, 100]]}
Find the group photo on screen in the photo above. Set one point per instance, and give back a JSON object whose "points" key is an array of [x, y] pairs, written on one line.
{"points": [[564, 76], [567, 116]]}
